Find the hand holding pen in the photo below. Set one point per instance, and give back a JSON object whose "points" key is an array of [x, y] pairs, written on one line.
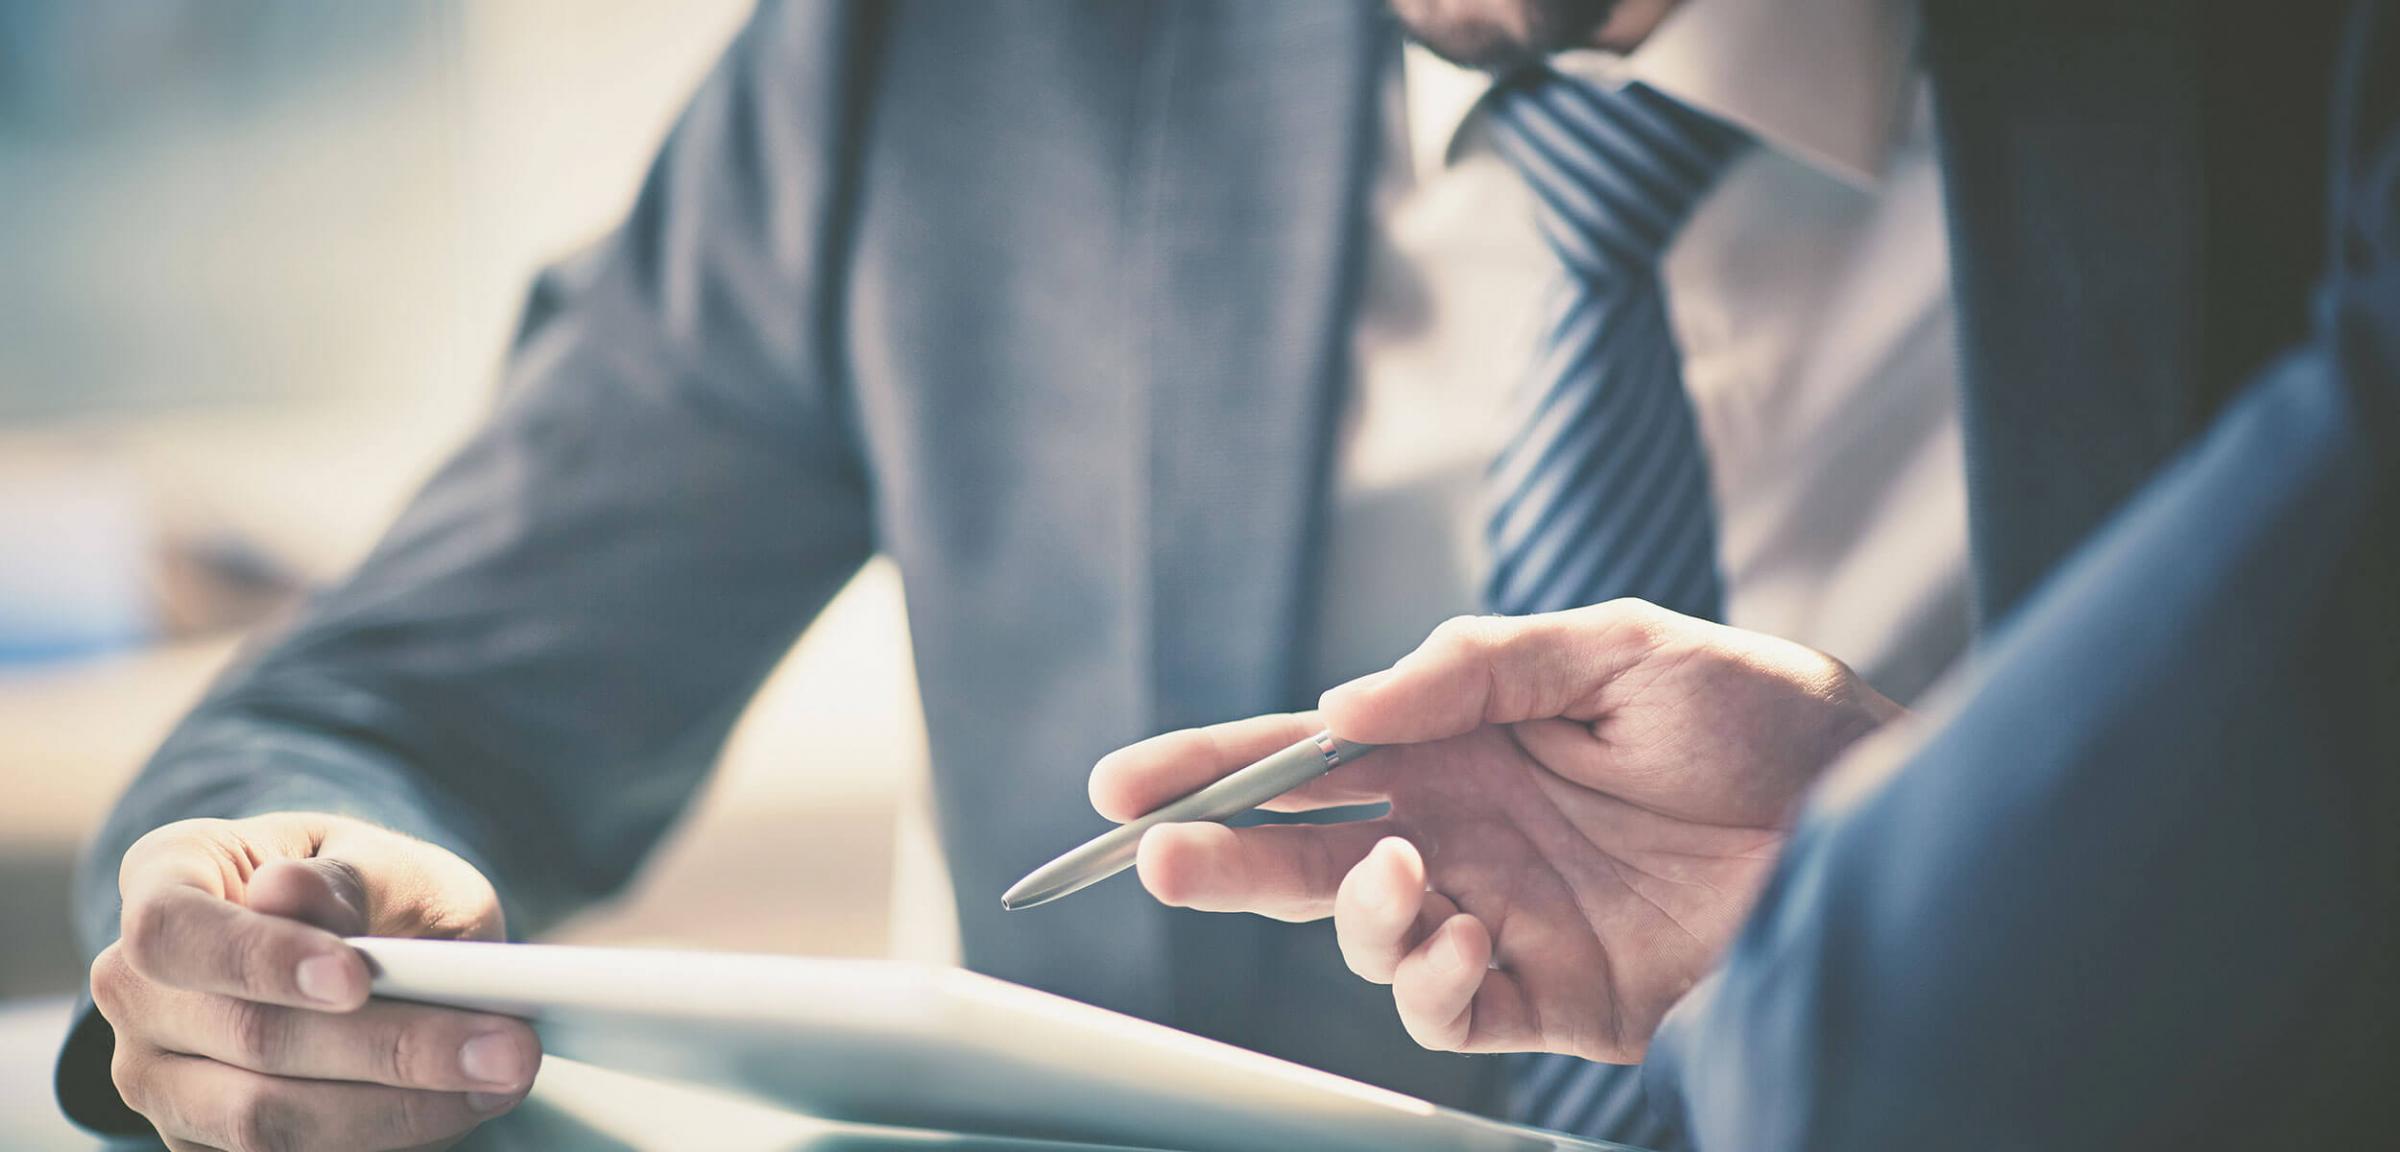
{"points": [[1582, 808]]}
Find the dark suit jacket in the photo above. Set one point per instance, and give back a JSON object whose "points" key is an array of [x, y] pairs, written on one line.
{"points": [[2137, 884], [1049, 303], [2137, 202]]}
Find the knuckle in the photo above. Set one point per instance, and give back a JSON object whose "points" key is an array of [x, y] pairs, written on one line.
{"points": [[409, 1056], [128, 1073], [110, 983], [256, 1032], [154, 839], [1463, 633], [1636, 618], [202, 835], [149, 933], [248, 958], [263, 1119]]}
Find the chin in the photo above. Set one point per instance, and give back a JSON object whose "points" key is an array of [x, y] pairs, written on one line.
{"points": [[1495, 34]]}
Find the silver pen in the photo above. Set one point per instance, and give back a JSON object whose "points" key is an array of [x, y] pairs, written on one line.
{"points": [[1112, 852]]}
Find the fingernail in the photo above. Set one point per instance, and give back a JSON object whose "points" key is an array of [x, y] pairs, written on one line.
{"points": [[324, 979], [1378, 897], [1449, 957], [491, 1059], [489, 1102]]}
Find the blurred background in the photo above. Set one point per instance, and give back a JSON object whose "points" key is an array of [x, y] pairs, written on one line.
{"points": [[258, 264]]}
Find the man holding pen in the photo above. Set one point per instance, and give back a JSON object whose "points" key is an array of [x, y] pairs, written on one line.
{"points": [[2131, 883]]}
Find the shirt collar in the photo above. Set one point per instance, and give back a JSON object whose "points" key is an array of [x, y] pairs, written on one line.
{"points": [[1819, 80]]}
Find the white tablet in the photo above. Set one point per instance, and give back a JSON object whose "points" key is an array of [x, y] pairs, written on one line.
{"points": [[884, 1043]]}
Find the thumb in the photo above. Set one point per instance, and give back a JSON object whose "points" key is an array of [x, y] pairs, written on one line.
{"points": [[1476, 670], [322, 891]]}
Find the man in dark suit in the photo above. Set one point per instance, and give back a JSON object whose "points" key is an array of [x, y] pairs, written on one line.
{"points": [[1051, 303]]}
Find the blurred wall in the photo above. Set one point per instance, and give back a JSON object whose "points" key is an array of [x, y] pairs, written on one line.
{"points": [[257, 265], [210, 201]]}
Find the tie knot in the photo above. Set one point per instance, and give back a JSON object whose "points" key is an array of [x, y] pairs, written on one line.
{"points": [[1617, 171]]}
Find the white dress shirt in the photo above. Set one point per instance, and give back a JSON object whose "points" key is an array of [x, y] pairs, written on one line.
{"points": [[1809, 293]]}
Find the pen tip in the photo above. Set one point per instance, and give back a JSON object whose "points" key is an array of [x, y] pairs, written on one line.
{"points": [[1025, 896]]}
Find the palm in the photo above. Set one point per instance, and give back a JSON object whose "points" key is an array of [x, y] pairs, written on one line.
{"points": [[1573, 882]]}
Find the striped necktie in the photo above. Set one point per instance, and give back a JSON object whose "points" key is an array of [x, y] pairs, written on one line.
{"points": [[1602, 491]]}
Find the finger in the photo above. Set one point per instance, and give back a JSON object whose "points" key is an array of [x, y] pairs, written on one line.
{"points": [[322, 891], [217, 1105], [1476, 670], [390, 1043], [408, 887], [1379, 910], [1501, 1017], [404, 1045], [180, 927], [1435, 984], [1283, 871], [1137, 779], [183, 937]]}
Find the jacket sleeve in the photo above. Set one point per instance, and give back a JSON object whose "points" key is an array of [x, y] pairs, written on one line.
{"points": [[2137, 886], [538, 663]]}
